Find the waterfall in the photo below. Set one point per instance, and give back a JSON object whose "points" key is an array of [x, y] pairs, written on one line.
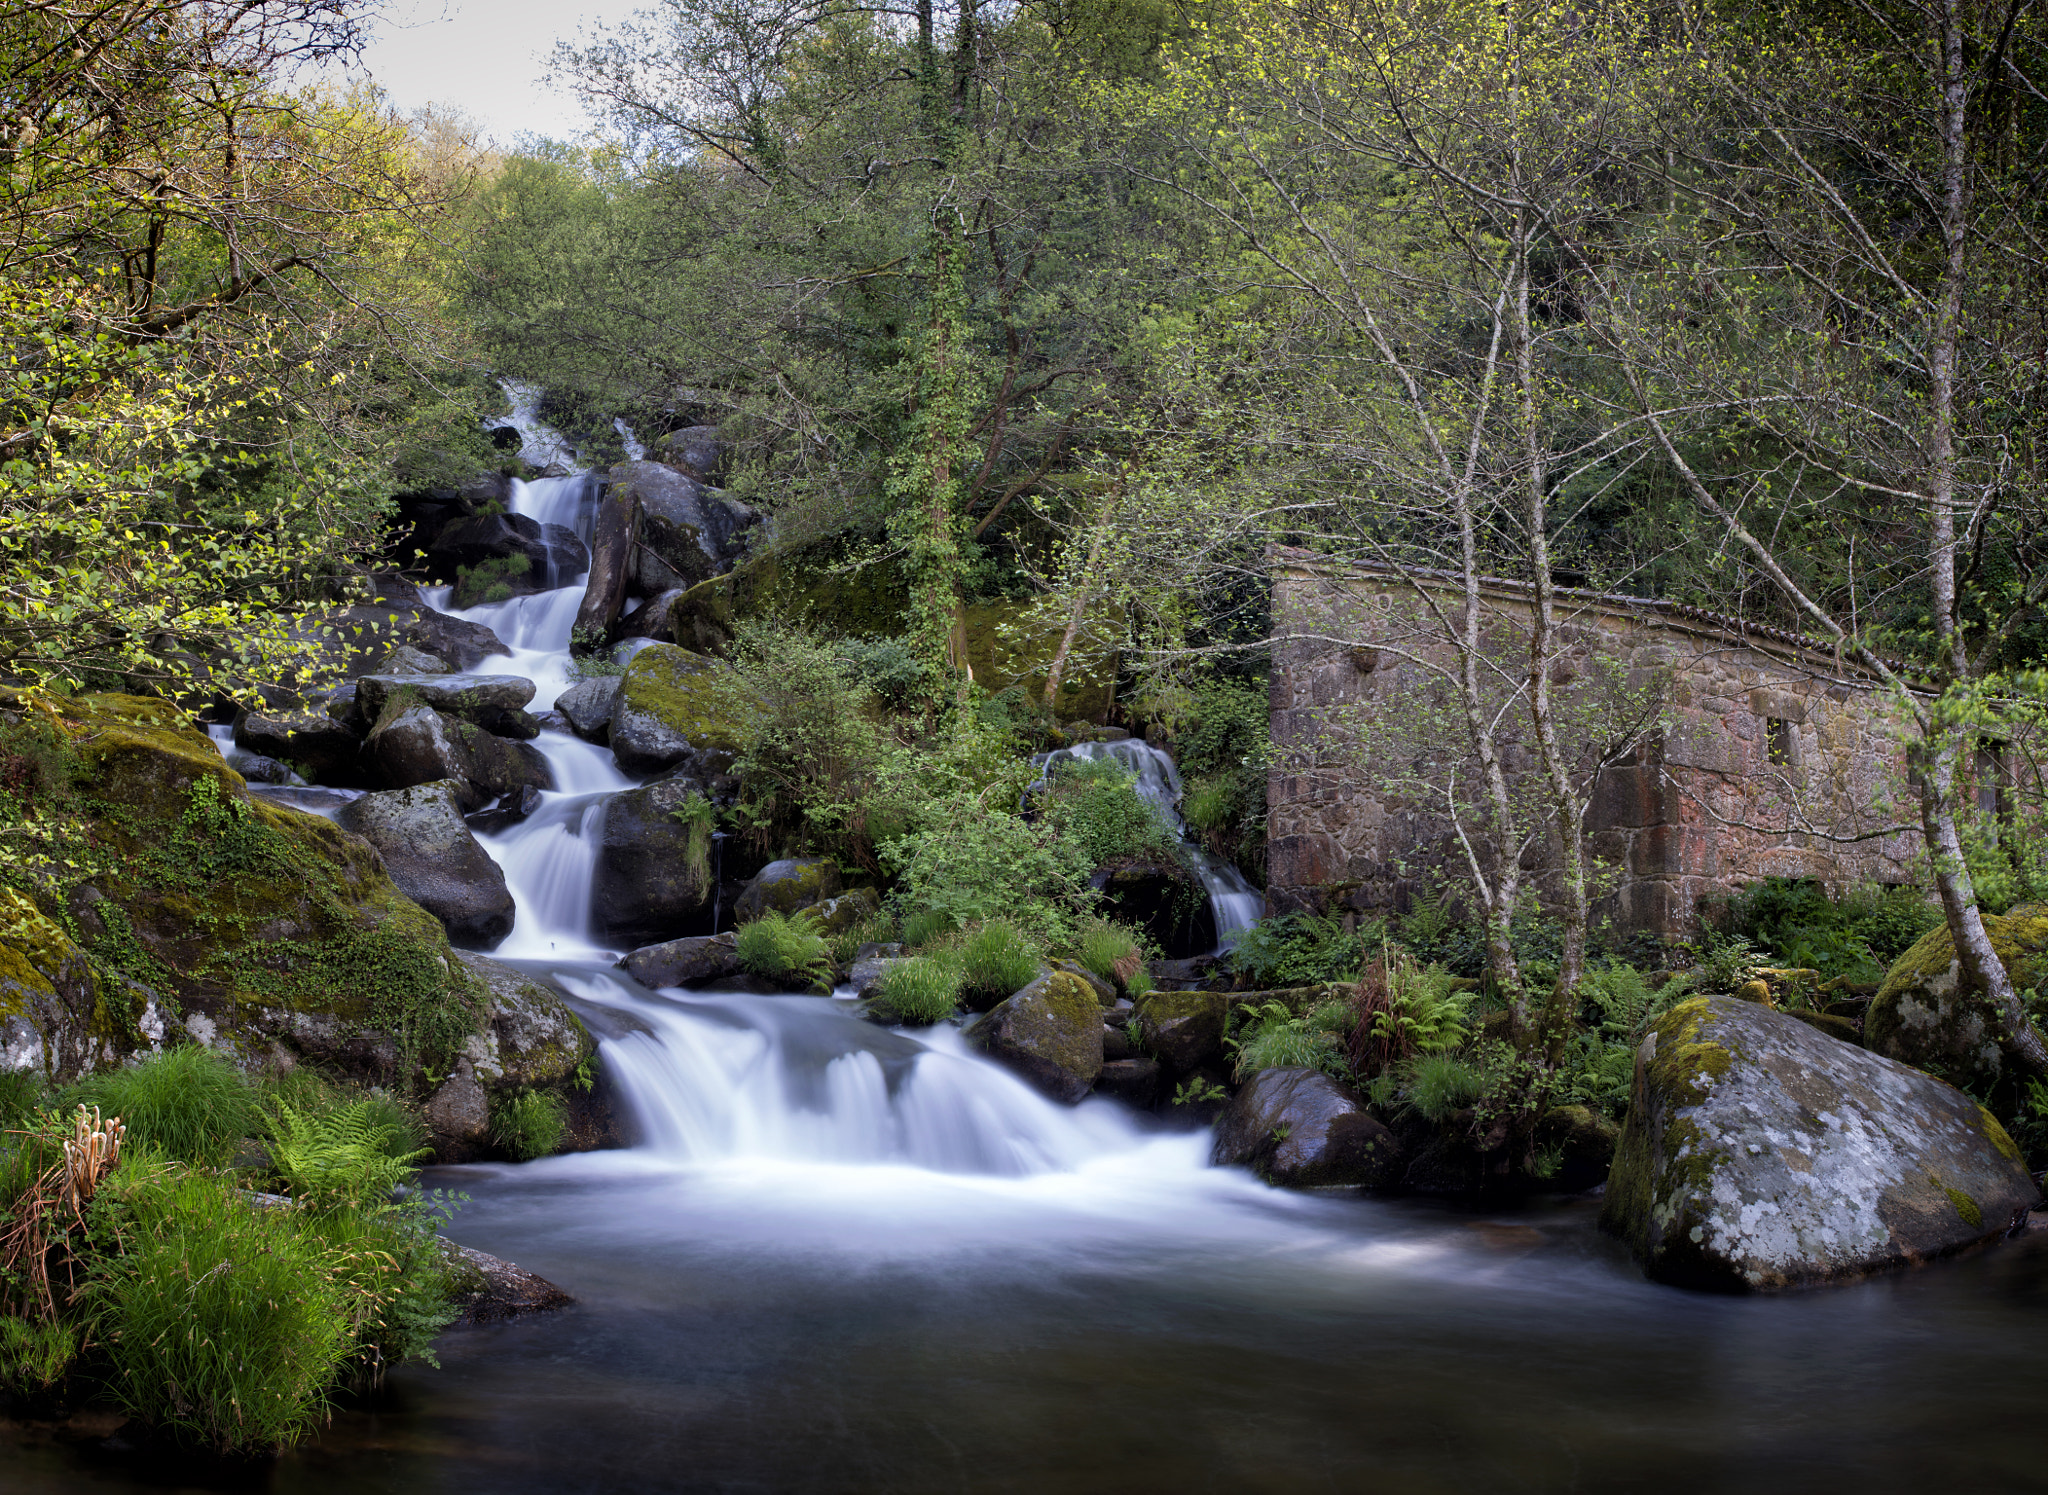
{"points": [[1235, 903]]}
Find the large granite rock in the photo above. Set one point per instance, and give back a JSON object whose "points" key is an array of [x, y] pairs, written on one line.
{"points": [[493, 556], [1050, 1033], [685, 962], [1925, 1016], [1760, 1153], [683, 536], [1300, 1128], [1183, 1029], [533, 1040], [436, 862], [481, 699], [674, 708], [457, 642], [416, 745], [614, 533], [697, 448], [319, 746], [646, 885], [657, 619], [784, 887], [587, 707]]}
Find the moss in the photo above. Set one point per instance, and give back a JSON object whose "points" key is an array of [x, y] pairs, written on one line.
{"points": [[30, 944], [817, 584], [1998, 1136], [1965, 1206], [1923, 1015], [685, 692], [1675, 1069], [1006, 646]]}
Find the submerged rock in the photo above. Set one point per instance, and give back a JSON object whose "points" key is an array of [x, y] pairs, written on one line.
{"points": [[1300, 1128], [435, 860], [1924, 1015], [646, 883], [1760, 1153], [1050, 1033], [673, 708], [685, 962], [487, 1290], [786, 886]]}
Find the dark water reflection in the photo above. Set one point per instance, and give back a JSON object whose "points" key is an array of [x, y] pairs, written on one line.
{"points": [[1260, 1342]]}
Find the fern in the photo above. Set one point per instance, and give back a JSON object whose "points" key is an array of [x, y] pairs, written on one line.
{"points": [[338, 1155], [786, 947]]}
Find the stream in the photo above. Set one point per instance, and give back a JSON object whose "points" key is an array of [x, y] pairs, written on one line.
{"points": [[849, 1259]]}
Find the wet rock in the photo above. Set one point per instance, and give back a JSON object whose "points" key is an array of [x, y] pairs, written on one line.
{"points": [[1183, 1029], [407, 659], [1585, 1142], [786, 886], [682, 537], [487, 1290], [695, 447], [1302, 1129], [868, 973], [657, 620], [646, 884], [520, 726], [1164, 899], [837, 915], [458, 1116], [684, 962], [532, 1039], [673, 708], [494, 556], [481, 699], [505, 811], [1116, 1044], [587, 707], [268, 771], [1760, 1153], [461, 644], [435, 860], [1195, 973], [1134, 1081], [418, 746], [1926, 1016], [322, 748], [1050, 1033], [614, 533]]}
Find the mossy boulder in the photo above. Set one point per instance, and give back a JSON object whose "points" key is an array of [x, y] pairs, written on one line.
{"points": [[674, 707], [817, 584], [61, 1013], [785, 886], [258, 928], [1183, 1029], [646, 885], [1760, 1153], [1050, 1033], [1301, 1129], [1926, 1016]]}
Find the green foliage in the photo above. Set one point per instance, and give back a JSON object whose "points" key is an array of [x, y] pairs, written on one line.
{"points": [[788, 948], [22, 1094], [888, 667], [1299, 950], [1273, 1037], [976, 862], [222, 1322], [1793, 922], [924, 990], [1436, 1085], [1196, 1091], [1094, 803], [1110, 950], [1222, 748], [344, 1154], [187, 1102], [1725, 963], [700, 818], [995, 961], [529, 1124], [1412, 1009], [926, 926], [34, 1353]]}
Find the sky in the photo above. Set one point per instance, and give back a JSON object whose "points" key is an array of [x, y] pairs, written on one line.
{"points": [[484, 57]]}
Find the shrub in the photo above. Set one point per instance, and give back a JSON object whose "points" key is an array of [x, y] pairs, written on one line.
{"points": [[1436, 1085], [530, 1124], [922, 991], [1793, 922], [977, 862], [1300, 950], [887, 666], [222, 1322], [188, 1103], [1401, 1009], [787, 948], [1275, 1038], [996, 961], [1095, 804]]}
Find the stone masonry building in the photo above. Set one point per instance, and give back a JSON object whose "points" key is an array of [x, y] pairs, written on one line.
{"points": [[1767, 755]]}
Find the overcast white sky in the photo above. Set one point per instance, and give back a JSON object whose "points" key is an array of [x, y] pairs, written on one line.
{"points": [[485, 57]]}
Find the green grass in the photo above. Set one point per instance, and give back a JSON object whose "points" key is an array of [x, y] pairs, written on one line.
{"points": [[528, 1125], [1104, 946], [34, 1354], [925, 926], [187, 1103], [786, 947], [1438, 1084], [22, 1093], [922, 991], [996, 961]]}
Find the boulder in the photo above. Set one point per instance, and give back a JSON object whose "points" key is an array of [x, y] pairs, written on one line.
{"points": [[1924, 1015], [481, 699], [408, 659], [321, 747], [434, 859], [1300, 1128], [587, 707], [458, 1116], [1105, 991], [1134, 1081], [646, 885], [461, 644], [487, 1290], [684, 962], [1760, 1153], [614, 533], [1050, 1033], [1183, 1029], [657, 620], [270, 933], [494, 556], [417, 745], [694, 447], [837, 915], [786, 886], [682, 537], [868, 972], [532, 1038], [674, 707]]}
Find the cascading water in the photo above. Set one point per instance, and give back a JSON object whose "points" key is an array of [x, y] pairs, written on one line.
{"points": [[1235, 903]]}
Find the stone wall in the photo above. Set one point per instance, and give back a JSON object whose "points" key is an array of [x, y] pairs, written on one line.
{"points": [[1763, 748]]}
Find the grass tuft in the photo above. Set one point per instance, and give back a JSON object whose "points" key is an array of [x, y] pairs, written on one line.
{"points": [[188, 1103]]}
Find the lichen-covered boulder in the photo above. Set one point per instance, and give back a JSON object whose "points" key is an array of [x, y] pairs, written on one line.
{"points": [[674, 707], [275, 933], [1925, 1016], [587, 707], [61, 1013], [685, 962], [1183, 1029], [1300, 1128], [1760, 1153], [837, 915], [531, 1039], [652, 876], [1050, 1033], [786, 886], [436, 862]]}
